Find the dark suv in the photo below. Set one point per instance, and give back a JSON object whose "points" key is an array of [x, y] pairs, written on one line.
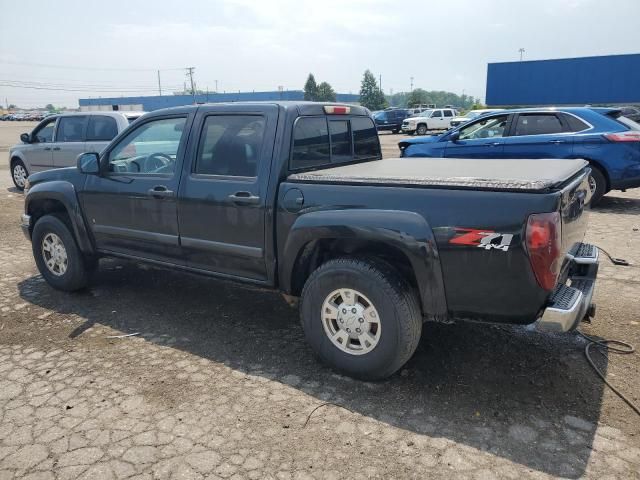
{"points": [[390, 119]]}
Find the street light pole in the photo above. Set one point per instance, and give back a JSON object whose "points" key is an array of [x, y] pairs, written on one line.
{"points": [[521, 50]]}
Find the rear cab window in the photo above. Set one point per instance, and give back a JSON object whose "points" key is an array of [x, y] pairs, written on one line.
{"points": [[330, 141]]}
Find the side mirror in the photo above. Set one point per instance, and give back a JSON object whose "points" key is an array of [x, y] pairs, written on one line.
{"points": [[89, 163], [25, 138], [454, 136]]}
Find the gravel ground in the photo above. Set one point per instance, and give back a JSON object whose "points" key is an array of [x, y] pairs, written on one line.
{"points": [[220, 384]]}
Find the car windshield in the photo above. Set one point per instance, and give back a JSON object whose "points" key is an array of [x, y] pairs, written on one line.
{"points": [[380, 115], [473, 114], [627, 122]]}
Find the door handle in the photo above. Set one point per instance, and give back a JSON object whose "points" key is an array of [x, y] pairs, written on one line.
{"points": [[48, 149], [495, 144], [160, 191], [55, 149], [556, 141], [244, 198]]}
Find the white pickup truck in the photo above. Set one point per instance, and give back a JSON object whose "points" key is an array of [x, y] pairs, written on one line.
{"points": [[436, 119]]}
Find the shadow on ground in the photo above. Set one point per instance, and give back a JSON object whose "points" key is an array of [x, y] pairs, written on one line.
{"points": [[621, 205], [508, 391]]}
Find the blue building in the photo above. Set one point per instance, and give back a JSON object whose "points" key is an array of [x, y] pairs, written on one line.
{"points": [[611, 79], [150, 103]]}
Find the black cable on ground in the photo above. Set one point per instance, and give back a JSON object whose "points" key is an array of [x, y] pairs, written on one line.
{"points": [[604, 346], [616, 261]]}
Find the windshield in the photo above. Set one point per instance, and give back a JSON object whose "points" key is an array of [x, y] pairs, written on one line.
{"points": [[627, 122], [473, 114], [380, 115]]}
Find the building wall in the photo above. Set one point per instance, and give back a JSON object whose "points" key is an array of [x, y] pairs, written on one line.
{"points": [[612, 79], [156, 102]]}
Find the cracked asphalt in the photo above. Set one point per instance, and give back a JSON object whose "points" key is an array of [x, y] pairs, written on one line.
{"points": [[219, 382]]}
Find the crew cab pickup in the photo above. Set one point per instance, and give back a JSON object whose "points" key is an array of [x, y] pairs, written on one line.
{"points": [[296, 197]]}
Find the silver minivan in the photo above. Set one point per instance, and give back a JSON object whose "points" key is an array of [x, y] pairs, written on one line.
{"points": [[57, 141]]}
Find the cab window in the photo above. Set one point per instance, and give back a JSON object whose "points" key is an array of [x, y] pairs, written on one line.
{"points": [[71, 129], [150, 149], [44, 132], [493, 127], [436, 114], [101, 128], [230, 145], [538, 124]]}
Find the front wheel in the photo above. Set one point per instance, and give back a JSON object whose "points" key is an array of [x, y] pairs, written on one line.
{"points": [[597, 184], [422, 129], [57, 255], [361, 318], [19, 174]]}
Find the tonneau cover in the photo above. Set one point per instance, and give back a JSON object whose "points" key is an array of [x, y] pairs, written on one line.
{"points": [[502, 174]]}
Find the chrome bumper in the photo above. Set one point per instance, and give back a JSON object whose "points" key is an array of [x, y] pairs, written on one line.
{"points": [[571, 301], [25, 224]]}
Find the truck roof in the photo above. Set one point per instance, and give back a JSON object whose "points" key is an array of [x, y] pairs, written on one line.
{"points": [[502, 174], [303, 107]]}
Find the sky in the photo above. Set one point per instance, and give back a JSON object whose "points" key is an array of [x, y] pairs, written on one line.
{"points": [[69, 49]]}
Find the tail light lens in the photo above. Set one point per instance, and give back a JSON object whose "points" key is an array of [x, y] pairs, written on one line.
{"points": [[544, 244], [630, 136]]}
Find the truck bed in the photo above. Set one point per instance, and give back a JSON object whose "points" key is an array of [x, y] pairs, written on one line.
{"points": [[478, 174]]}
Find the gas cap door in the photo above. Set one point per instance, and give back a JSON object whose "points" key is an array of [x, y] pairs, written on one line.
{"points": [[293, 200]]}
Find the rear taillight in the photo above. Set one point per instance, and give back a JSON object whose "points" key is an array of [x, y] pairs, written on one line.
{"points": [[544, 244], [630, 136]]}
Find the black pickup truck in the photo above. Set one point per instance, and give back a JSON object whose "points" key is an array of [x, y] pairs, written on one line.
{"points": [[296, 197]]}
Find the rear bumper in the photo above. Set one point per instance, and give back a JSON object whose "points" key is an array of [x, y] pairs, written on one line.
{"points": [[571, 301]]}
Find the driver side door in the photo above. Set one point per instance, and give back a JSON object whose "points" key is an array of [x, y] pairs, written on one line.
{"points": [[131, 207]]}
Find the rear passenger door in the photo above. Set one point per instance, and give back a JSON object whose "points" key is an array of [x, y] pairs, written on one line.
{"points": [[101, 129], [69, 141], [222, 198], [539, 135]]}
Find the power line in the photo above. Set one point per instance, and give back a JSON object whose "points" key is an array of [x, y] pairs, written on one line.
{"points": [[70, 67], [62, 89]]}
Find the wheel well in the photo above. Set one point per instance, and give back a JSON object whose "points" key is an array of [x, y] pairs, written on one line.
{"points": [[39, 208], [421, 124], [317, 252], [14, 160], [602, 170]]}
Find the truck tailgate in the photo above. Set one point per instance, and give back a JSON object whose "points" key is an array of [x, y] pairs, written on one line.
{"points": [[574, 202]]}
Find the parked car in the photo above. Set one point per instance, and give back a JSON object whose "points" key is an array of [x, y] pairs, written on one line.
{"points": [[390, 120], [609, 141], [438, 119], [470, 115], [631, 112], [59, 139], [294, 196]]}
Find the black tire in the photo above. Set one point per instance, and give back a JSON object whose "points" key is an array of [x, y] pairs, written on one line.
{"points": [[422, 129], [15, 164], [393, 298], [78, 268], [598, 181]]}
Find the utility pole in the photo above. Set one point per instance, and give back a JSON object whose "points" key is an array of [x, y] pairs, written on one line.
{"points": [[521, 50], [380, 83], [190, 75], [159, 84], [216, 86], [411, 85]]}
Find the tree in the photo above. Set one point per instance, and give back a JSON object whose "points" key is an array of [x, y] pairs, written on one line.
{"points": [[325, 93], [370, 95], [49, 107], [311, 89], [419, 97]]}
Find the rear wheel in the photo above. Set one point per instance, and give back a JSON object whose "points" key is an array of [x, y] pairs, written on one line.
{"points": [[361, 318], [597, 184], [19, 174], [422, 129], [57, 255]]}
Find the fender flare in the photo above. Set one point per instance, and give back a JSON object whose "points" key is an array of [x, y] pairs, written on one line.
{"points": [[65, 193], [406, 231]]}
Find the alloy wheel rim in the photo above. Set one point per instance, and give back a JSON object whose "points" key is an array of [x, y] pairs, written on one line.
{"points": [[54, 254], [351, 321], [19, 175], [592, 184]]}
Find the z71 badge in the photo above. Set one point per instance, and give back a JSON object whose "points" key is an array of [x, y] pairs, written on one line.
{"points": [[487, 239]]}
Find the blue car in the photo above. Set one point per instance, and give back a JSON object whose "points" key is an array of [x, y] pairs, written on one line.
{"points": [[608, 140]]}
